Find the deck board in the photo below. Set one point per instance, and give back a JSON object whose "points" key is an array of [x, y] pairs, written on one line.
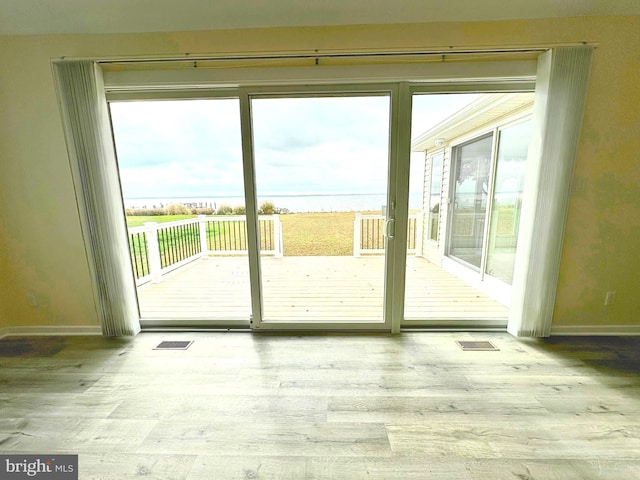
{"points": [[311, 289]]}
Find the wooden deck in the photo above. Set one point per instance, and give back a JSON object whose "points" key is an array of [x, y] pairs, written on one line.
{"points": [[311, 289]]}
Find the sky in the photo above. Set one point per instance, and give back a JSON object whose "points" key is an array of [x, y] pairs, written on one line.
{"points": [[318, 145]]}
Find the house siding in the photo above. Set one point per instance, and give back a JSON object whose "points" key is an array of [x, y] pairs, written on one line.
{"points": [[434, 250]]}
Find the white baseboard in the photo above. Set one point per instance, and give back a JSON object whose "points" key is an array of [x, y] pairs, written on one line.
{"points": [[50, 330], [609, 330], [65, 330]]}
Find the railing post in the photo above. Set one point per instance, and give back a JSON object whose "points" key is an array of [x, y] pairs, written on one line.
{"points": [[202, 225], [153, 250], [357, 233], [277, 236], [419, 233]]}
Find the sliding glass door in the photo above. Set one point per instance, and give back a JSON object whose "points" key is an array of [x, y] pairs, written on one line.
{"points": [[471, 167], [181, 174], [506, 206], [487, 188], [278, 208], [321, 167]]}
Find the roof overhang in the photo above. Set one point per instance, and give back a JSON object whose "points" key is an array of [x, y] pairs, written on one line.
{"points": [[485, 110]]}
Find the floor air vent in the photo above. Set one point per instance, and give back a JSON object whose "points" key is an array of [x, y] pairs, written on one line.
{"points": [[174, 345], [476, 345]]}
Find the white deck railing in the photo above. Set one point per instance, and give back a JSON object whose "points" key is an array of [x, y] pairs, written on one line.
{"points": [[369, 234], [159, 248]]}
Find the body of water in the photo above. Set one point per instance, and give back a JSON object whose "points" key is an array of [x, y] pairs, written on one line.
{"points": [[292, 203]]}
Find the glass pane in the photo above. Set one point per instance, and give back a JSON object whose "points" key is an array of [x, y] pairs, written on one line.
{"points": [[321, 169], [179, 160], [472, 167], [507, 200]]}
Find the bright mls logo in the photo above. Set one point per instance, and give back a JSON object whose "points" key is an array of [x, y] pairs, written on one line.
{"points": [[51, 467]]}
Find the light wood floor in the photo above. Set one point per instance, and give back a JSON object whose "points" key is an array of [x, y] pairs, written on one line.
{"points": [[258, 406], [311, 289]]}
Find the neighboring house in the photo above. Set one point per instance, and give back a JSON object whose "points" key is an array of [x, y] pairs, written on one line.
{"points": [[473, 183]]}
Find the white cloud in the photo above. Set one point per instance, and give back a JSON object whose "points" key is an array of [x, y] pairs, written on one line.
{"points": [[192, 148]]}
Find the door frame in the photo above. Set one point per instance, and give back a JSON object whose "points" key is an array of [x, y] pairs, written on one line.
{"points": [[509, 76], [400, 94], [247, 93]]}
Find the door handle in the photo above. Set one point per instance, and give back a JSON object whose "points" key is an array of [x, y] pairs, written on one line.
{"points": [[389, 228]]}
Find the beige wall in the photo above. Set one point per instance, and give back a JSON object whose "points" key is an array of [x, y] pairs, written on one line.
{"points": [[41, 242]]}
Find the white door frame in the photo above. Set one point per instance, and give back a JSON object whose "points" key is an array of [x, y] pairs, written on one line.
{"points": [[246, 94]]}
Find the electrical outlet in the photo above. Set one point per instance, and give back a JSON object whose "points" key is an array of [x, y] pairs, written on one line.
{"points": [[609, 297]]}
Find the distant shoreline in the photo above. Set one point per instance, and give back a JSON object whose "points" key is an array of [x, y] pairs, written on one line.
{"points": [[305, 203]]}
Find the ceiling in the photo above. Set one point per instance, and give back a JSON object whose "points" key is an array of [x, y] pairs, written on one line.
{"points": [[24, 17]]}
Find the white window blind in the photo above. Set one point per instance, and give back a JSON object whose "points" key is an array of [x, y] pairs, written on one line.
{"points": [[561, 85], [95, 173]]}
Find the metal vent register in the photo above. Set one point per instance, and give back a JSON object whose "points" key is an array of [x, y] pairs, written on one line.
{"points": [[174, 345], [476, 345]]}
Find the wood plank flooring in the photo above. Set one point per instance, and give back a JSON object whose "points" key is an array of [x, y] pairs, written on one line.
{"points": [[266, 406], [311, 289]]}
